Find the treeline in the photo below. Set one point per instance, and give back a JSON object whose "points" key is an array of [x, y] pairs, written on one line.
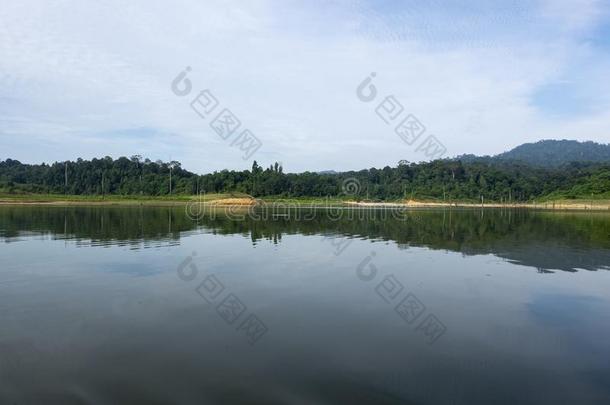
{"points": [[440, 179], [97, 177]]}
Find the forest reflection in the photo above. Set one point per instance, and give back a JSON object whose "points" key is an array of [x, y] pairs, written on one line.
{"points": [[544, 240]]}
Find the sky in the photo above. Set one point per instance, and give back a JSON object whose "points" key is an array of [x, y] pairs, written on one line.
{"points": [[90, 79]]}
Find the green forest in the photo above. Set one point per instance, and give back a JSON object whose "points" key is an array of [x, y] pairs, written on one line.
{"points": [[447, 179]]}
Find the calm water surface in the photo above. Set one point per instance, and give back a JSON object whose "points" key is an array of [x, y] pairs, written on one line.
{"points": [[144, 305]]}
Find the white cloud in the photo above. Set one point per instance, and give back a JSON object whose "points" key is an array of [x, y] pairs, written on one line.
{"points": [[74, 74]]}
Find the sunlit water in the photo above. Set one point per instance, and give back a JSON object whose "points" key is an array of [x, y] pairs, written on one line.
{"points": [[144, 305]]}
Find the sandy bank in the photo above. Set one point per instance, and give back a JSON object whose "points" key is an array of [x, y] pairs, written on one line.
{"points": [[557, 205]]}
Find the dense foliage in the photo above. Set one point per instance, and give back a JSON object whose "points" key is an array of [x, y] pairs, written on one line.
{"points": [[96, 177], [441, 179]]}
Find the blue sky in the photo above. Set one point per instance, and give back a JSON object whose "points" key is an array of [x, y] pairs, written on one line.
{"points": [[88, 79]]}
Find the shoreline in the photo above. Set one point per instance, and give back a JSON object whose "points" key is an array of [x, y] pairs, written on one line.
{"points": [[562, 205], [578, 205]]}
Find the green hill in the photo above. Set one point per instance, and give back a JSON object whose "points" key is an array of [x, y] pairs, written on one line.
{"points": [[553, 153]]}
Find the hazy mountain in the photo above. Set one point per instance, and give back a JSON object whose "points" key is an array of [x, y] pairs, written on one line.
{"points": [[555, 153], [551, 153]]}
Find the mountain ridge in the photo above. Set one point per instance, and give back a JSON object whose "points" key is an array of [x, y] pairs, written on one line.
{"points": [[549, 153]]}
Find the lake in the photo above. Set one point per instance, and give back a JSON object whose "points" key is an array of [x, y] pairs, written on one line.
{"points": [[149, 305]]}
